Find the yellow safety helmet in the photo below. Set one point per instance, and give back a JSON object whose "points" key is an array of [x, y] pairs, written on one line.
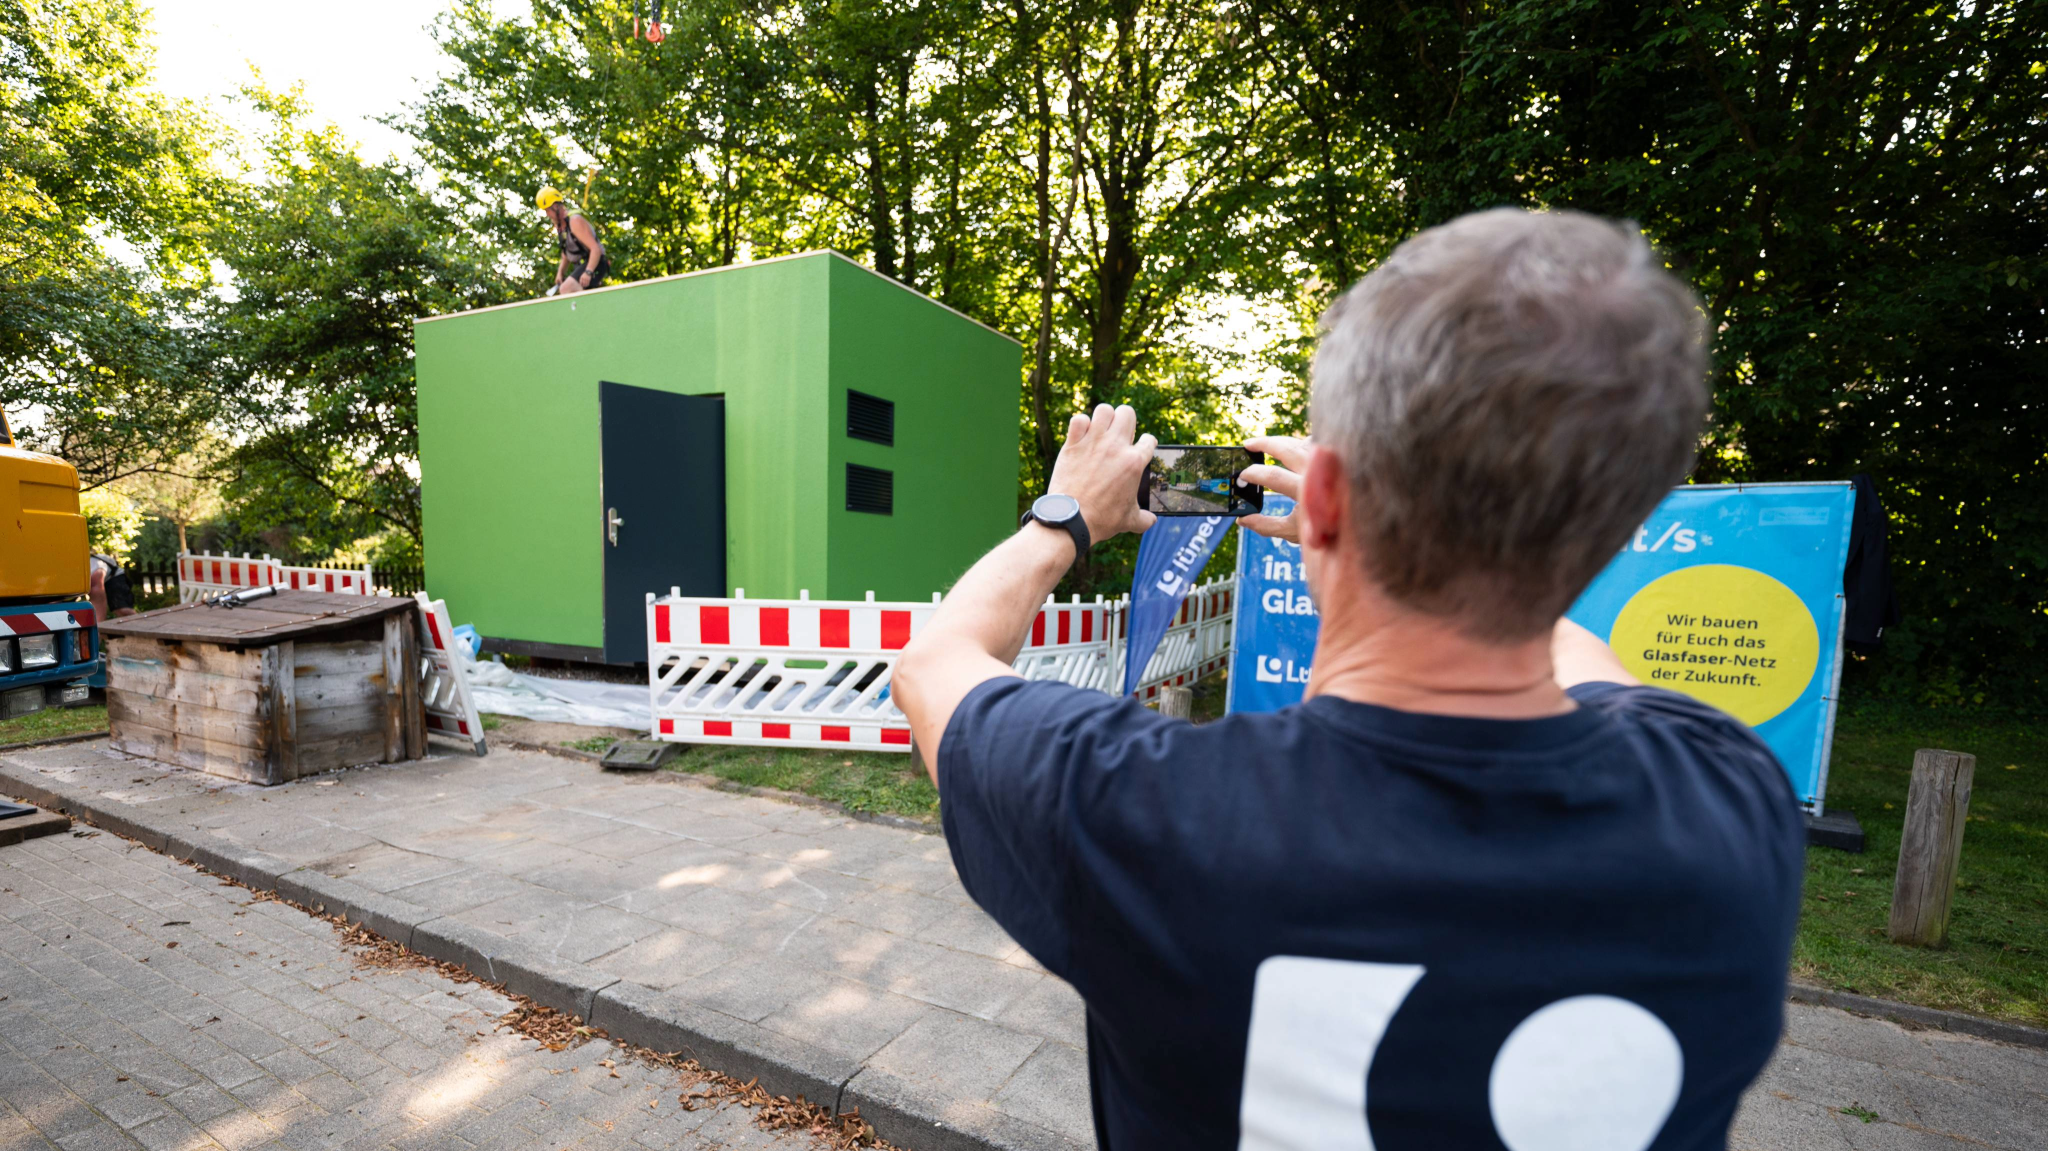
{"points": [[545, 197]]}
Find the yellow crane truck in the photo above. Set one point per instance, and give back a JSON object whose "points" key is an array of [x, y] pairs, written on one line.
{"points": [[49, 632]]}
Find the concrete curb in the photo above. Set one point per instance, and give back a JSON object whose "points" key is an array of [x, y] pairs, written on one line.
{"points": [[1928, 1018], [629, 1011]]}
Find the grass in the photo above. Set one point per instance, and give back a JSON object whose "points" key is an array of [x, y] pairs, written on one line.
{"points": [[861, 780], [596, 744], [52, 722], [1996, 960]]}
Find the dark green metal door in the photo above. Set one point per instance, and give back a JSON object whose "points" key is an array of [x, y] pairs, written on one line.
{"points": [[663, 508]]}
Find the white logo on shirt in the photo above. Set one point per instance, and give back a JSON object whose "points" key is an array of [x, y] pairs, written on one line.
{"points": [[1588, 1073]]}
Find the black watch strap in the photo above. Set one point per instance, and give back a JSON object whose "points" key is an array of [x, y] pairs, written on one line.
{"points": [[1075, 526]]}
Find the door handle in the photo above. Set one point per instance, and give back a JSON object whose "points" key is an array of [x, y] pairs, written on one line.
{"points": [[612, 524]]}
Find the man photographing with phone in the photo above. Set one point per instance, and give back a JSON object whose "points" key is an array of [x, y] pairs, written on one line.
{"points": [[1481, 888]]}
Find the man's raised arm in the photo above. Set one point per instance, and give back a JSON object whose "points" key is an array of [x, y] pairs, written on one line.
{"points": [[980, 627]]}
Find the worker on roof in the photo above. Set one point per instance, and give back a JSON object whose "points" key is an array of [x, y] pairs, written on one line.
{"points": [[584, 262]]}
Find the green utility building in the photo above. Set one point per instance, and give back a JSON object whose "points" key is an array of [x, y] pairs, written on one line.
{"points": [[793, 424]]}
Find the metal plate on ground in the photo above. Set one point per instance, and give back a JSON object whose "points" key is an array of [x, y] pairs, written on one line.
{"points": [[1838, 829], [638, 755]]}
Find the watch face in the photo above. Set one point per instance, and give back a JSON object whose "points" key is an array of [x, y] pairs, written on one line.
{"points": [[1055, 508]]}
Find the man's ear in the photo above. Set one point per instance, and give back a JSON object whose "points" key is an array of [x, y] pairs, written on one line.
{"points": [[1325, 504]]}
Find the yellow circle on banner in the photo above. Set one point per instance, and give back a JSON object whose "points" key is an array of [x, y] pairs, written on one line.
{"points": [[1729, 636]]}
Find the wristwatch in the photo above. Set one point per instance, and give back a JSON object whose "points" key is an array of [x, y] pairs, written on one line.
{"points": [[1059, 511]]}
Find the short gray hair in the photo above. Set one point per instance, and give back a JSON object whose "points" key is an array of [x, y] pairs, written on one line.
{"points": [[1511, 394]]}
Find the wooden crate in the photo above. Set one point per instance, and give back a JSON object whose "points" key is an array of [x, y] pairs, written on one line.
{"points": [[290, 685]]}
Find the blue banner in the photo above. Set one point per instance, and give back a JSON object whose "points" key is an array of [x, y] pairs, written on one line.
{"points": [[1273, 637], [1171, 555], [1733, 595]]}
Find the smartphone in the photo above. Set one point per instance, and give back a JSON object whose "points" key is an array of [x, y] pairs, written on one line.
{"points": [[1187, 480]]}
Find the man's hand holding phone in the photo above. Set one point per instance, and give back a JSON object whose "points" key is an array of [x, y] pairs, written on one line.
{"points": [[1099, 467], [1283, 477]]}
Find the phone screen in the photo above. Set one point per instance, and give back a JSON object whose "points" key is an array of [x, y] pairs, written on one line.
{"points": [[1185, 480]]}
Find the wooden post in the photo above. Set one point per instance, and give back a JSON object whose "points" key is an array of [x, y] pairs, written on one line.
{"points": [[1931, 849], [278, 681], [405, 720], [414, 697], [1178, 702]]}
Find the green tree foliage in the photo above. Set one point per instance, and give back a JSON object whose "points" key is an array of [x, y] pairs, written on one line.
{"points": [[1083, 175], [1856, 189], [333, 259], [102, 354]]}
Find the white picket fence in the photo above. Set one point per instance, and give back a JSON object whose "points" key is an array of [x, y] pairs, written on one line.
{"points": [[815, 673], [204, 574]]}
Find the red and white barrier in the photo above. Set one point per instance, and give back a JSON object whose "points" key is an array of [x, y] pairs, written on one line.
{"points": [[1075, 643], [1196, 645], [347, 581], [1084, 644], [207, 574], [780, 673], [815, 673], [444, 687]]}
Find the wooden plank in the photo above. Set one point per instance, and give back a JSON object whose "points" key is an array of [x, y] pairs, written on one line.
{"points": [[162, 679], [320, 723], [212, 659], [1931, 847], [340, 690], [351, 659], [17, 828], [282, 711], [402, 670], [245, 729], [343, 751], [393, 718], [191, 751]]}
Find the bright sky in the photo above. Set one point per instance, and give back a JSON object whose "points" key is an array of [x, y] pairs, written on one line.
{"points": [[358, 61]]}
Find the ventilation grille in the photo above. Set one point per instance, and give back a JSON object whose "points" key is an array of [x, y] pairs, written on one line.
{"points": [[869, 418], [870, 490]]}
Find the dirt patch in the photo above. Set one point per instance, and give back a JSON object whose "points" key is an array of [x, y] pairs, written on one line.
{"points": [[558, 736]]}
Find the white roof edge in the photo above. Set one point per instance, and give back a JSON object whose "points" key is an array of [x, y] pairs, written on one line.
{"points": [[728, 268]]}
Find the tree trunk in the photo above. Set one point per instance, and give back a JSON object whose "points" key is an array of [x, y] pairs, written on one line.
{"points": [[879, 219], [1121, 170], [1043, 437]]}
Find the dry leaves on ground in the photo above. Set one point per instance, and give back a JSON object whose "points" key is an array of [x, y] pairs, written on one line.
{"points": [[560, 1031]]}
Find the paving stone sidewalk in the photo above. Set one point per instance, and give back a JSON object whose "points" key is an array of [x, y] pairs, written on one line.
{"points": [[1842, 1082], [144, 1004], [855, 943], [850, 944]]}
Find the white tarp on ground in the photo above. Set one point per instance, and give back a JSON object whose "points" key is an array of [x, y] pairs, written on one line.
{"points": [[498, 690]]}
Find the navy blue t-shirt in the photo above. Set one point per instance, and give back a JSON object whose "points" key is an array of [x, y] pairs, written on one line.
{"points": [[1536, 935]]}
